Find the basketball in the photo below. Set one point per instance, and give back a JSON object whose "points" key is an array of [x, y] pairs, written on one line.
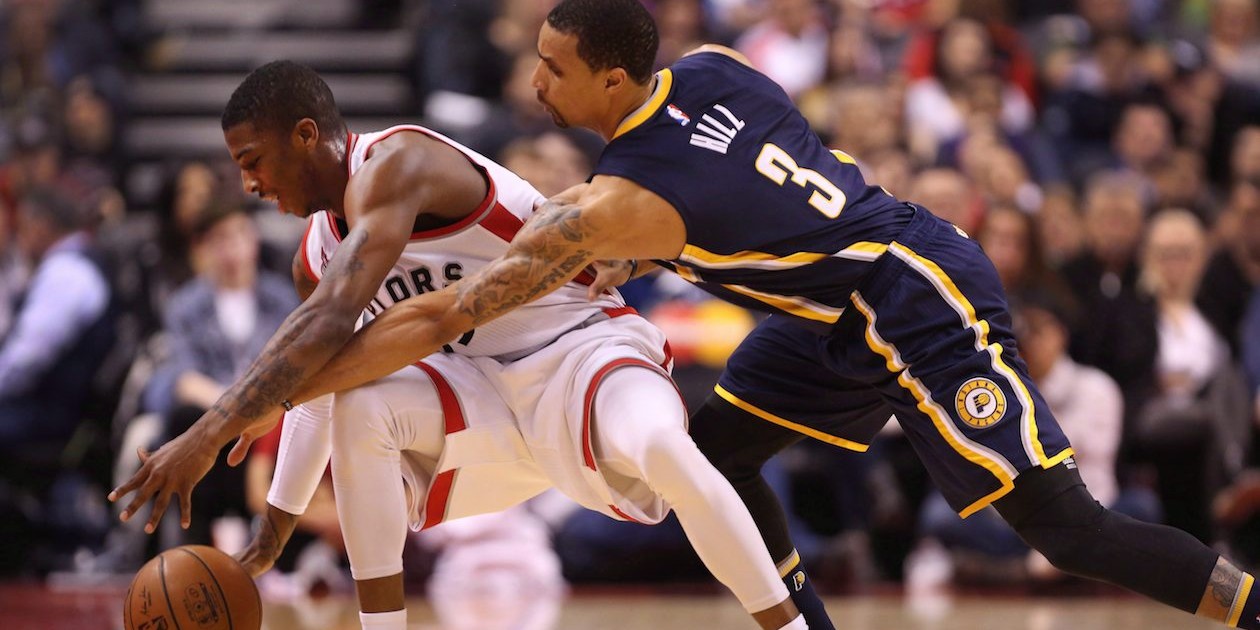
{"points": [[192, 587]]}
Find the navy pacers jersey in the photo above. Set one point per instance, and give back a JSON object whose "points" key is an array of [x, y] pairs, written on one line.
{"points": [[775, 220]]}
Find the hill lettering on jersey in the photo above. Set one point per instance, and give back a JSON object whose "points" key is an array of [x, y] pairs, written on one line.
{"points": [[716, 135]]}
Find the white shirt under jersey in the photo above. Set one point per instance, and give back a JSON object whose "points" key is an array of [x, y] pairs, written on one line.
{"points": [[435, 258]]}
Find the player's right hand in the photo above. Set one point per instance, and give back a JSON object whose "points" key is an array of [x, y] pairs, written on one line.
{"points": [[173, 470]]}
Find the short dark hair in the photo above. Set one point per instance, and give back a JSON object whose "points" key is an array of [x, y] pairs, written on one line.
{"points": [[279, 94], [212, 215], [53, 208], [610, 34]]}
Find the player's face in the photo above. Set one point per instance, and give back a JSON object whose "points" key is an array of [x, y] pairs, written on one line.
{"points": [[566, 85], [273, 167]]}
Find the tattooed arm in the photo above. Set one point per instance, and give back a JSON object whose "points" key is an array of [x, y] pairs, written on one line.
{"points": [[612, 219], [402, 176]]}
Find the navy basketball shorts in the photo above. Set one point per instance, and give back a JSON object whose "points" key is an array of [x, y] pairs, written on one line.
{"points": [[926, 336]]}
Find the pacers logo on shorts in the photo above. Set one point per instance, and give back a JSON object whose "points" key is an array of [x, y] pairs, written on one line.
{"points": [[980, 403]]}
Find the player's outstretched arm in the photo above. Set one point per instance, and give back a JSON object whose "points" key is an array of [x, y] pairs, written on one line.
{"points": [[612, 219], [380, 203]]}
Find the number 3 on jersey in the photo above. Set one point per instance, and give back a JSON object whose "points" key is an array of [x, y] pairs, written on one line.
{"points": [[776, 164]]}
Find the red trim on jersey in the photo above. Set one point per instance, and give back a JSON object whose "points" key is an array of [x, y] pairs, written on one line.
{"points": [[474, 216], [622, 514], [620, 310], [451, 411], [306, 258], [588, 406], [351, 140], [332, 226], [484, 210], [502, 223], [439, 497]]}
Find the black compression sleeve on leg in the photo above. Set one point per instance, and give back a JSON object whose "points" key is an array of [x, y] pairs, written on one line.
{"points": [[1056, 515], [738, 446]]}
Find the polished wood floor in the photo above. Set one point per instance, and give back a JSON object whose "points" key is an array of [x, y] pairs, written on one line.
{"points": [[32, 607]]}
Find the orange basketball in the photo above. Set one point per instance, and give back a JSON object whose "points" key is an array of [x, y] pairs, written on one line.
{"points": [[192, 588]]}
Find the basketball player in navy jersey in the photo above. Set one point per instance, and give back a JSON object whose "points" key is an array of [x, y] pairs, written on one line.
{"points": [[876, 306], [383, 208]]}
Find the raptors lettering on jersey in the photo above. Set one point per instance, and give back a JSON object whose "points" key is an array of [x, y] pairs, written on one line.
{"points": [[436, 258]]}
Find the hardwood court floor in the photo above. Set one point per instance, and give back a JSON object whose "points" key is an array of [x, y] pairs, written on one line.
{"points": [[850, 613], [24, 607]]}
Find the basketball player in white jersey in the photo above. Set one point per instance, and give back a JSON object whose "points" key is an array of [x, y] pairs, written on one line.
{"points": [[571, 390]]}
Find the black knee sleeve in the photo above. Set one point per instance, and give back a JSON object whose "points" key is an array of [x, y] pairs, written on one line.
{"points": [[1054, 513], [738, 445]]}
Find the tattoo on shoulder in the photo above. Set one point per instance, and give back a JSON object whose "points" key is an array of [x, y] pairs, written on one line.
{"points": [[549, 249]]}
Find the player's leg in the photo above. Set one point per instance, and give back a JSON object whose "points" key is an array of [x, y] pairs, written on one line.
{"points": [[739, 445], [372, 425], [639, 430], [776, 390], [1055, 514], [934, 319]]}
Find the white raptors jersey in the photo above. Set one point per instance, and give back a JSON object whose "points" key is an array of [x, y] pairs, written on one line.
{"points": [[435, 258]]}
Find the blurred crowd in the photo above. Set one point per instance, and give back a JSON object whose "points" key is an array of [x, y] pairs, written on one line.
{"points": [[1105, 153]]}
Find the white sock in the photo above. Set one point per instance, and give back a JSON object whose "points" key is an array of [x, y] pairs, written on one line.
{"points": [[796, 624], [394, 620]]}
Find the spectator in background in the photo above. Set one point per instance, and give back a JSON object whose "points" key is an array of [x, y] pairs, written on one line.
{"points": [[1234, 39], [1010, 239], [550, 162], [981, 107], [1059, 223], [1244, 159], [1143, 138], [950, 197], [1211, 107], [1195, 426], [1119, 336], [1233, 273], [1082, 117], [682, 28], [935, 112], [861, 123], [1180, 181], [62, 328], [789, 45], [217, 323]]}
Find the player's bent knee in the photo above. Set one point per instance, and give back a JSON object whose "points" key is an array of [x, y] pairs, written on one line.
{"points": [[359, 417]]}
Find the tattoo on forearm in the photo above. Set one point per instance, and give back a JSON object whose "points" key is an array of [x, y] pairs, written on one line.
{"points": [[277, 372], [549, 249], [270, 539], [1224, 583], [1221, 590]]}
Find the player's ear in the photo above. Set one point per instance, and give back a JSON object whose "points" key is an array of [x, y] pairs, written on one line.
{"points": [[616, 79], [306, 133]]}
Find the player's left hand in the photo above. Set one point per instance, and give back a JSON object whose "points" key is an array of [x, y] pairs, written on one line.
{"points": [[173, 470], [608, 274]]}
